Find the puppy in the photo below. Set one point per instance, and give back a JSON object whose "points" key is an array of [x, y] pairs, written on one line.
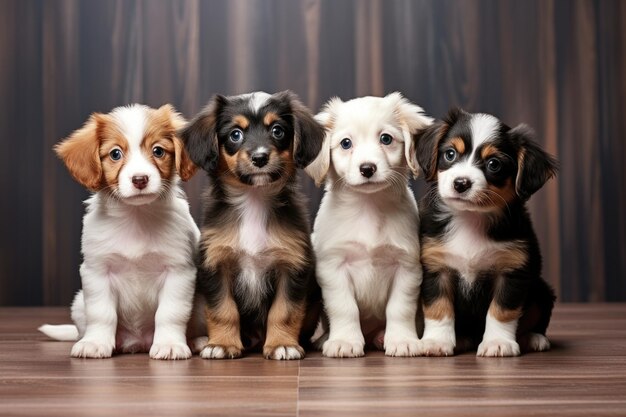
{"points": [[256, 277], [138, 239], [364, 234], [481, 259]]}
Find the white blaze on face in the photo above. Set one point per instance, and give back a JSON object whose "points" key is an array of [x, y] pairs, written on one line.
{"points": [[132, 123]]}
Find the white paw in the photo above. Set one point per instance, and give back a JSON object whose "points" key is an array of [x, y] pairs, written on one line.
{"points": [[91, 349], [435, 347], [402, 347], [283, 352], [498, 347], [170, 351], [343, 348], [220, 352], [538, 342], [199, 343]]}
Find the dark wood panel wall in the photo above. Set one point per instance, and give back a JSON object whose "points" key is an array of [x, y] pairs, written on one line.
{"points": [[558, 65]]}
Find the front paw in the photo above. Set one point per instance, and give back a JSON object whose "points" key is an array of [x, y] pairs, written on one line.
{"points": [[498, 347], [402, 347], [435, 347], [220, 352], [91, 349], [343, 348], [283, 352], [170, 351]]}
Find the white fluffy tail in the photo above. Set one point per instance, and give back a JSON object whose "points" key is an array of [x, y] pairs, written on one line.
{"points": [[64, 332]]}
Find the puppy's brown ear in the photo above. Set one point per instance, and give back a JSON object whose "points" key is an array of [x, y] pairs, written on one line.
{"points": [[411, 119], [80, 153], [200, 135], [534, 166], [319, 167], [183, 163]]}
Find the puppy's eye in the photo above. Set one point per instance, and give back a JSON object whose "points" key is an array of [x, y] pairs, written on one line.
{"points": [[494, 165], [386, 139], [158, 152], [346, 143], [115, 154], [236, 135], [450, 155], [278, 132]]}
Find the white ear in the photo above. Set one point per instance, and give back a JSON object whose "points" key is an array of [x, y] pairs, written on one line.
{"points": [[318, 169], [412, 119]]}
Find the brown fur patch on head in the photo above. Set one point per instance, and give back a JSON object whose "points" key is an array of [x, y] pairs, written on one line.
{"points": [[488, 151], [498, 196], [111, 138], [503, 314], [270, 118], [80, 152], [241, 121], [458, 144]]}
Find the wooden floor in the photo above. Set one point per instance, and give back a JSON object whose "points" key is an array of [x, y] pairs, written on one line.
{"points": [[583, 375]]}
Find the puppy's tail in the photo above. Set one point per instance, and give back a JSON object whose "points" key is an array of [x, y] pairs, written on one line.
{"points": [[63, 332]]}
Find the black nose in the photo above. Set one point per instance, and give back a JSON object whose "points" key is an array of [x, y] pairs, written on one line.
{"points": [[367, 170], [260, 159], [462, 184], [140, 181]]}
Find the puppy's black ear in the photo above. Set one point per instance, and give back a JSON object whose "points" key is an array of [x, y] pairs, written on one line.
{"points": [[428, 148], [200, 135], [534, 165], [308, 133]]}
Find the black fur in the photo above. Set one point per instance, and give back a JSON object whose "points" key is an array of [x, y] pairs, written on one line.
{"points": [[523, 287]]}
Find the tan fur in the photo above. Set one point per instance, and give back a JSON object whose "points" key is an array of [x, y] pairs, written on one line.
{"points": [[219, 245], [434, 255], [80, 153], [439, 309], [284, 322], [499, 196], [270, 118], [223, 326], [458, 144], [488, 151], [502, 314], [241, 121]]}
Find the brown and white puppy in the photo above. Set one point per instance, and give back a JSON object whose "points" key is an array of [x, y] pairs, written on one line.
{"points": [[139, 239], [482, 265], [256, 280]]}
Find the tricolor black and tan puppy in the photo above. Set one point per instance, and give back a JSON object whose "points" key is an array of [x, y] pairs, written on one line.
{"points": [[482, 265], [364, 235], [138, 241], [256, 277]]}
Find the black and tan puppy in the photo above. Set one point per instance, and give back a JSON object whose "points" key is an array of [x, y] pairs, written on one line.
{"points": [[257, 271], [482, 265]]}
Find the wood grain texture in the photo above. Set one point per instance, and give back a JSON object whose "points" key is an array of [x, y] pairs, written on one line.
{"points": [[557, 65], [584, 374]]}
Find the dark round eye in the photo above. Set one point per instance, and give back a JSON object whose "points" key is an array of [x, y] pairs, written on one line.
{"points": [[346, 143], [278, 132], [386, 139], [115, 154], [236, 135], [450, 155], [158, 152], [494, 165]]}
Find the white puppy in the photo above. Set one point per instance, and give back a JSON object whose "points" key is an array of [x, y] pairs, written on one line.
{"points": [[139, 239], [366, 231]]}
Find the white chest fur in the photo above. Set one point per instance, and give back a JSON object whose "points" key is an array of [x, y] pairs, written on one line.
{"points": [[253, 209]]}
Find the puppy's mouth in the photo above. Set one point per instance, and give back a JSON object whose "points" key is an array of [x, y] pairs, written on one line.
{"points": [[369, 186], [468, 204], [140, 199], [260, 178]]}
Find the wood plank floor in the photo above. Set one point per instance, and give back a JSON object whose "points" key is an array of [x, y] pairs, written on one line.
{"points": [[583, 375]]}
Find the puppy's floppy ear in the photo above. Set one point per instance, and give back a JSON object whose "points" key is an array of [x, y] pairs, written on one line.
{"points": [[80, 153], [308, 133], [184, 165], [200, 135], [412, 119], [534, 166], [326, 118], [428, 143]]}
